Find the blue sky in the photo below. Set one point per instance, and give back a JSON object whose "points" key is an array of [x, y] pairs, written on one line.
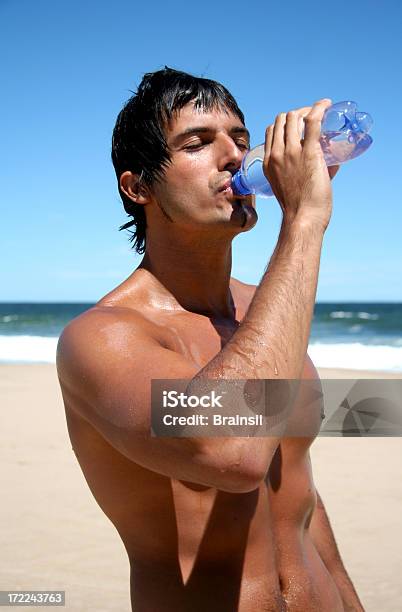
{"points": [[67, 69]]}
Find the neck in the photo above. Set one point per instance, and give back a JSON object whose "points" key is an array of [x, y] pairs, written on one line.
{"points": [[193, 272]]}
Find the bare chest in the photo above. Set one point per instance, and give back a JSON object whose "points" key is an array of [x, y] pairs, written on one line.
{"points": [[196, 337]]}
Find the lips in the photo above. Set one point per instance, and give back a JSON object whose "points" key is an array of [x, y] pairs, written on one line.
{"points": [[227, 186], [226, 189]]}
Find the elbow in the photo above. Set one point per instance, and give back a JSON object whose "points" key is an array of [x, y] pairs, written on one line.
{"points": [[239, 484], [240, 472]]}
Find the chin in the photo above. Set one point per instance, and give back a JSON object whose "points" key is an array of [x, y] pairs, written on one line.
{"points": [[244, 215]]}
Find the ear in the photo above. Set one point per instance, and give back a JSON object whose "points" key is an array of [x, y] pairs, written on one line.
{"points": [[132, 186]]}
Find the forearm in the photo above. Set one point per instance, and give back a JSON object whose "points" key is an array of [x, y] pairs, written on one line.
{"points": [[272, 340], [323, 538], [271, 343]]}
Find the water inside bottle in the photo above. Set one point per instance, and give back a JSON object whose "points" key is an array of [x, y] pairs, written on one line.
{"points": [[339, 147]]}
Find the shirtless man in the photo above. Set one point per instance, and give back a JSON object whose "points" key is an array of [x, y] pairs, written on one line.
{"points": [[209, 524]]}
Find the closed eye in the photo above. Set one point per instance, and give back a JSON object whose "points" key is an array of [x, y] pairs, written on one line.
{"points": [[194, 147]]}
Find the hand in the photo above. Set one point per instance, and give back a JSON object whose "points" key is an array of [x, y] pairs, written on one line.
{"points": [[295, 166]]}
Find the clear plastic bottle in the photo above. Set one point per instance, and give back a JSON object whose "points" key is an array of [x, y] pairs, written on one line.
{"points": [[344, 136]]}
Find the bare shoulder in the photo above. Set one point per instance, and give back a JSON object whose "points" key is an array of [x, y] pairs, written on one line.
{"points": [[107, 357], [243, 292], [102, 340], [103, 325], [100, 320], [242, 286], [309, 370]]}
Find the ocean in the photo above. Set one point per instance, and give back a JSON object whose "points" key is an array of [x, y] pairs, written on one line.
{"points": [[362, 336]]}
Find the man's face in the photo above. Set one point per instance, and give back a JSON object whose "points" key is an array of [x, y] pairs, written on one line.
{"points": [[206, 149]]}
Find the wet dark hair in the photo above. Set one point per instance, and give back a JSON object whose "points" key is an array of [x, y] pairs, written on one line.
{"points": [[139, 143]]}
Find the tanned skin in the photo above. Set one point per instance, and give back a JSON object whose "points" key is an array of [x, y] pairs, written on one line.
{"points": [[210, 524]]}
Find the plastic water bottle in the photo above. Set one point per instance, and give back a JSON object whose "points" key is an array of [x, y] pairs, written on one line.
{"points": [[344, 136]]}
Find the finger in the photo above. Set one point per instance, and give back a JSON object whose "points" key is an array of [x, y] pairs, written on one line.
{"points": [[269, 134], [332, 170], [292, 138], [301, 113], [300, 128], [313, 120], [278, 142], [303, 110]]}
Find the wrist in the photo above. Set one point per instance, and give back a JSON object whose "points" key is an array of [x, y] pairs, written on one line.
{"points": [[302, 224], [309, 215]]}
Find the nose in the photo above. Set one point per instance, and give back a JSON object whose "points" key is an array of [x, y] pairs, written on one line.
{"points": [[230, 155]]}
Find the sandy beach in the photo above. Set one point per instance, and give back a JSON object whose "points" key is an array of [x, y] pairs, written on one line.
{"points": [[54, 535]]}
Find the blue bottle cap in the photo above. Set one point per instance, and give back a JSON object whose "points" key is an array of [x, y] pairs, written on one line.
{"points": [[239, 186]]}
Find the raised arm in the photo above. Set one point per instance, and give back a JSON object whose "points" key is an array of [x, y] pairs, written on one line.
{"points": [[107, 360]]}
